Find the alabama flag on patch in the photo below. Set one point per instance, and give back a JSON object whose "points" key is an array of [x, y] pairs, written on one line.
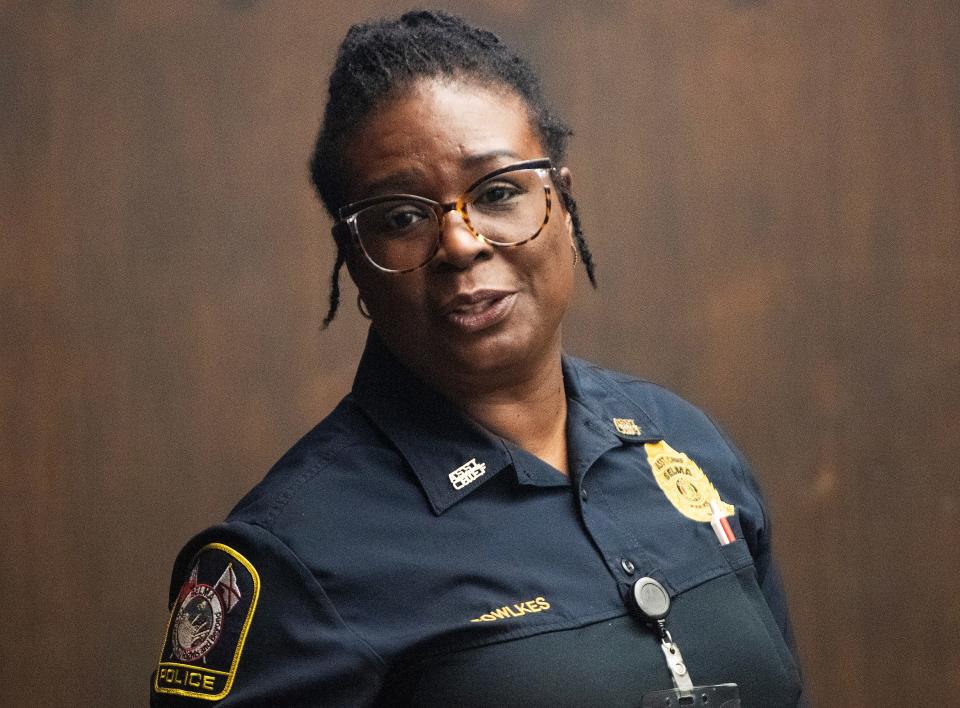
{"points": [[208, 625], [227, 588]]}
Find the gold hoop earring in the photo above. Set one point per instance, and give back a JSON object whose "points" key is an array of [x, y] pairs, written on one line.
{"points": [[576, 256], [362, 306]]}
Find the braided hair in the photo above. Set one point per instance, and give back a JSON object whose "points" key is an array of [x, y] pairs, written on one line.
{"points": [[379, 59]]}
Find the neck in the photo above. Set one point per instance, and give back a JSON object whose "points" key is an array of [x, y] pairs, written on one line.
{"points": [[530, 411]]}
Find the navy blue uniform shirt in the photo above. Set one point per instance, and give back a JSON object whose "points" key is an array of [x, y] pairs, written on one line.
{"points": [[399, 554]]}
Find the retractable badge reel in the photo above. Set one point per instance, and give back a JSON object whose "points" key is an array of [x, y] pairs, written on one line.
{"points": [[652, 600]]}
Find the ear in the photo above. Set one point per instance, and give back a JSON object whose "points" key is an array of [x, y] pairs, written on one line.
{"points": [[355, 270], [351, 264], [342, 240]]}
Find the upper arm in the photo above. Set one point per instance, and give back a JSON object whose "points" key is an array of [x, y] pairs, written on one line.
{"points": [[250, 624]]}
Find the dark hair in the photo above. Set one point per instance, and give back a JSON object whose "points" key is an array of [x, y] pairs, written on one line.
{"points": [[378, 59]]}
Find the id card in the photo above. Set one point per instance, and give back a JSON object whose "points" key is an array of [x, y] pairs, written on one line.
{"points": [[721, 695]]}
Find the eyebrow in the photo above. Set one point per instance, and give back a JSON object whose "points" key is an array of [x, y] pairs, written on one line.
{"points": [[406, 181], [396, 182], [481, 158]]}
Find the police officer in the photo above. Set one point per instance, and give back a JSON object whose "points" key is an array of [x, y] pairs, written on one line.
{"points": [[483, 520]]}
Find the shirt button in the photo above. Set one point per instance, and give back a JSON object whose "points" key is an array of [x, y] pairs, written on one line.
{"points": [[583, 495], [628, 566]]}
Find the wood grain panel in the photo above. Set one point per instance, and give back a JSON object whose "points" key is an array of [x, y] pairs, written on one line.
{"points": [[772, 192]]}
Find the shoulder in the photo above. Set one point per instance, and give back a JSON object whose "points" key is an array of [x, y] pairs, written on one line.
{"points": [[671, 414], [327, 470]]}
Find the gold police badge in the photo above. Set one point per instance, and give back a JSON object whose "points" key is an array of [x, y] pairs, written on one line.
{"points": [[683, 482]]}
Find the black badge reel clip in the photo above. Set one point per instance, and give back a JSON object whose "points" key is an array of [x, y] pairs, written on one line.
{"points": [[653, 602]]}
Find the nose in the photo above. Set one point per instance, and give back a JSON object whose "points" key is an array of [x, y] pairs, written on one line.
{"points": [[459, 246]]}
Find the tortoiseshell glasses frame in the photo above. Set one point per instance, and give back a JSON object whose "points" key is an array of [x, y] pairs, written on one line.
{"points": [[400, 233]]}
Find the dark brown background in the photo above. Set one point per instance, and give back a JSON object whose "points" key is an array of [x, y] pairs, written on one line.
{"points": [[771, 191]]}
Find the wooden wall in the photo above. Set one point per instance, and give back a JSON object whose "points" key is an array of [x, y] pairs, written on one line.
{"points": [[772, 191]]}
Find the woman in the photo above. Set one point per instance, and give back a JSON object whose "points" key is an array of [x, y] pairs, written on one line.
{"points": [[483, 520]]}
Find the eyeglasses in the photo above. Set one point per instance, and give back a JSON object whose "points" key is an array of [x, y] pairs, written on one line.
{"points": [[399, 233]]}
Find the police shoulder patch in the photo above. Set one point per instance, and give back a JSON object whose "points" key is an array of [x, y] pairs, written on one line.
{"points": [[683, 482], [208, 625]]}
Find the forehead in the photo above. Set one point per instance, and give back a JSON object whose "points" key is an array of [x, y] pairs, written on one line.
{"points": [[436, 134]]}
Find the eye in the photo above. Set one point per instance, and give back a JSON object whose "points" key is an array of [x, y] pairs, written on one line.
{"points": [[496, 193], [402, 217]]}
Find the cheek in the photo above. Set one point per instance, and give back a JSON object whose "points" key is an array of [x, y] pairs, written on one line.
{"points": [[556, 272], [562, 291], [391, 298], [551, 286]]}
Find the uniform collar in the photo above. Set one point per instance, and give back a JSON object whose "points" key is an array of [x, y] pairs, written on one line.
{"points": [[450, 455], [596, 398], [431, 434]]}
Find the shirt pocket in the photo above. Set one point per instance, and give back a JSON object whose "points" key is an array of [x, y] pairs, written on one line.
{"points": [[737, 555]]}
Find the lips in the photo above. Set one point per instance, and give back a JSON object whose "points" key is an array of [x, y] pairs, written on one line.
{"points": [[477, 310]]}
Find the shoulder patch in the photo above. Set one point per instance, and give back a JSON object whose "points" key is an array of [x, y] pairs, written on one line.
{"points": [[683, 482], [208, 625]]}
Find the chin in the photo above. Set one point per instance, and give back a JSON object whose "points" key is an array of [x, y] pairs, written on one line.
{"points": [[494, 352]]}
